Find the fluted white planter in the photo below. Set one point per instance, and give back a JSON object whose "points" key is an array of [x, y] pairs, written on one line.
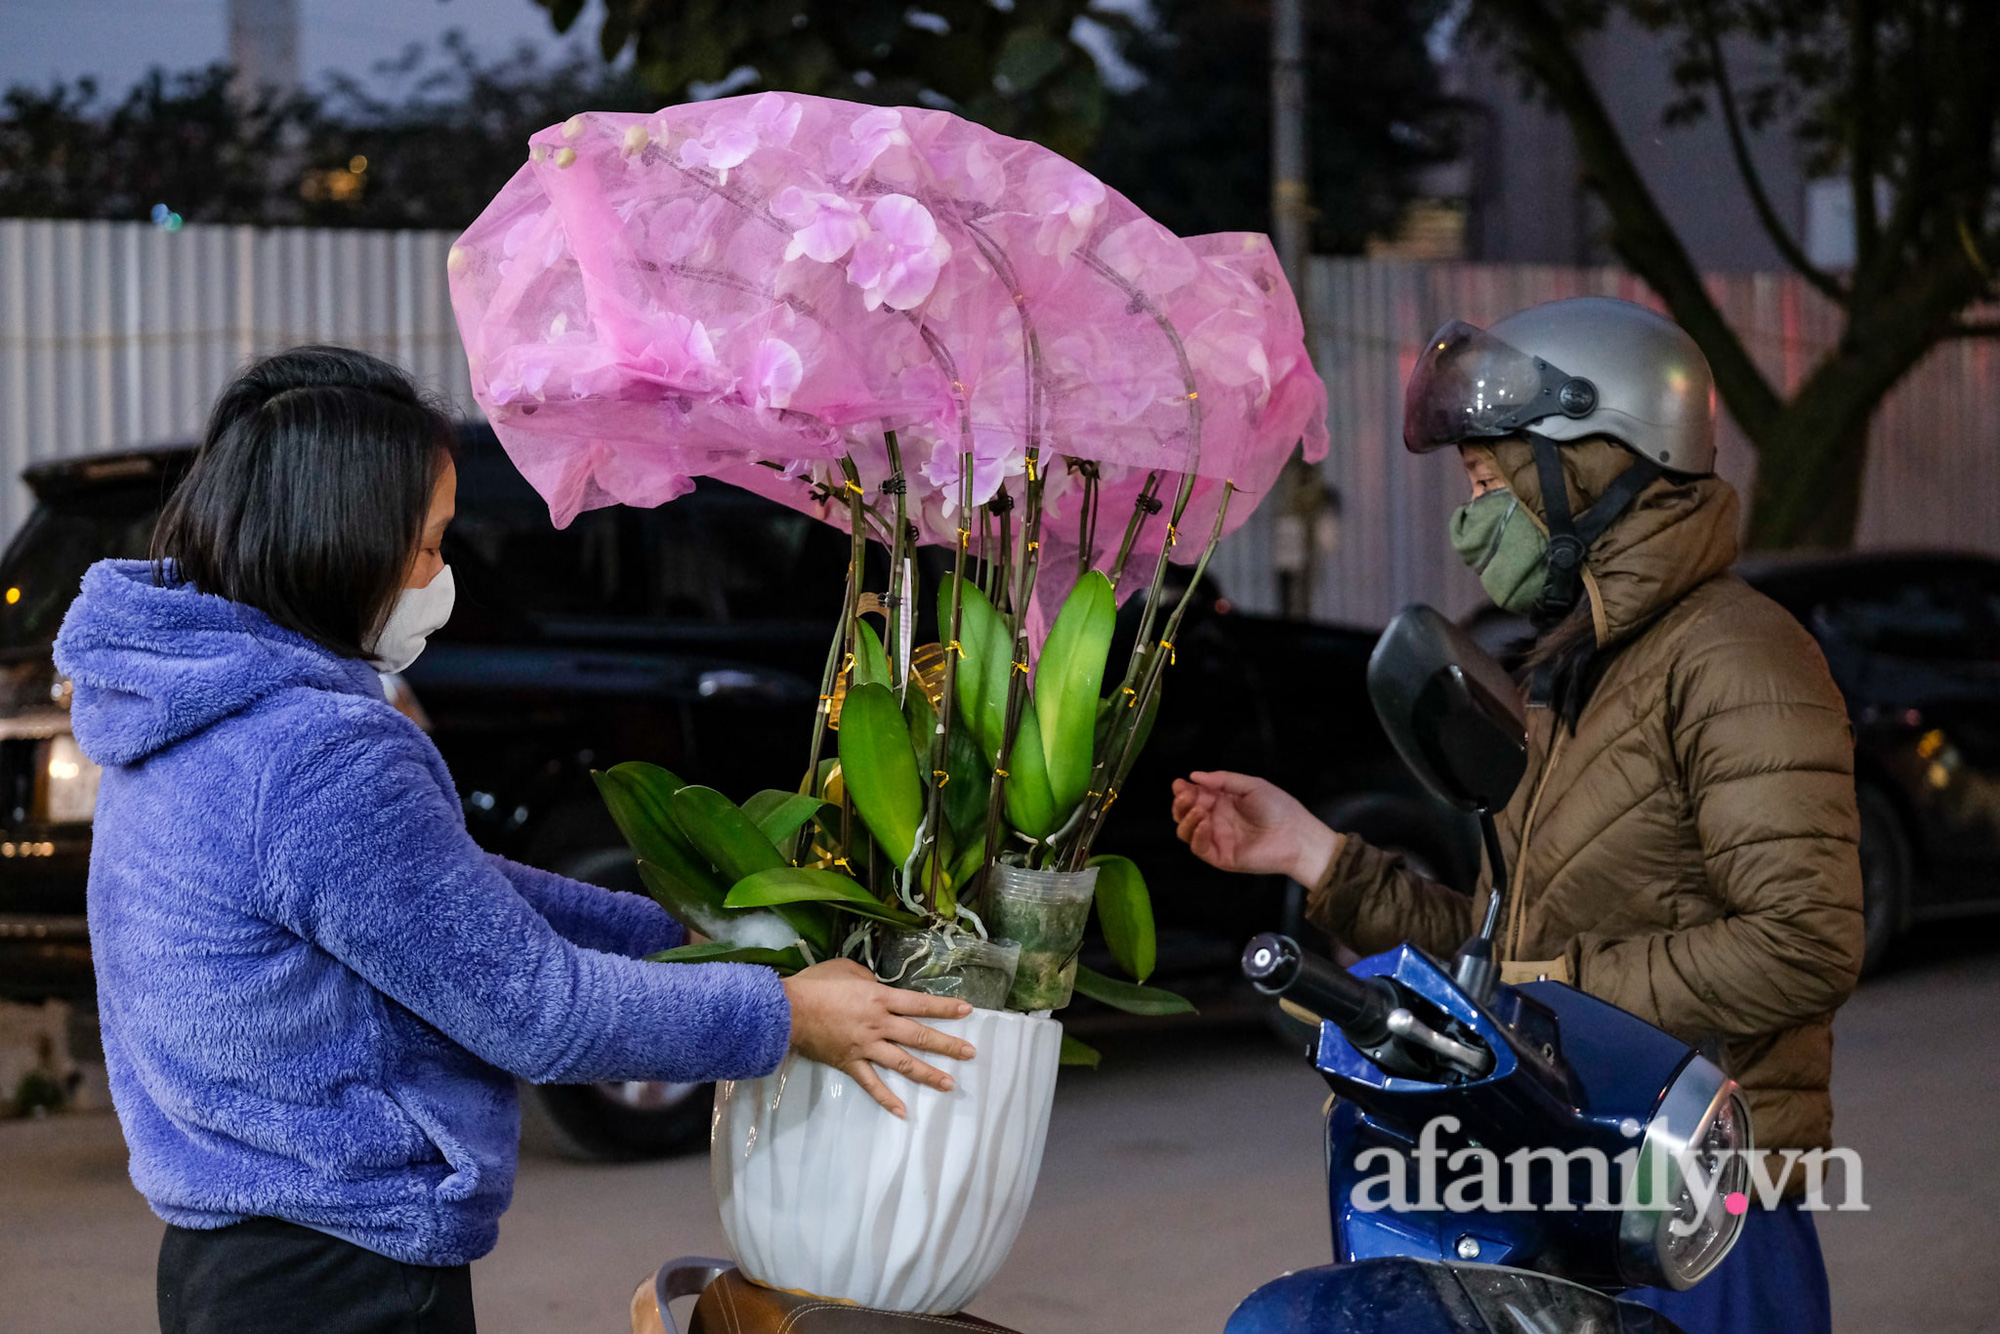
{"points": [[822, 1191]]}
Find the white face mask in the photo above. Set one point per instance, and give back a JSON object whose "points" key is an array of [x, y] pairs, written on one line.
{"points": [[418, 614]]}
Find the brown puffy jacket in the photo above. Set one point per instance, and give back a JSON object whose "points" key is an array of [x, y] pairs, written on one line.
{"points": [[1689, 853]]}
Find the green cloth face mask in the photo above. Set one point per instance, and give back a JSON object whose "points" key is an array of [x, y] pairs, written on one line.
{"points": [[1503, 547]]}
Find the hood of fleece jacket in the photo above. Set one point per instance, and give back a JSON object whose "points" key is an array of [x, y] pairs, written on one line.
{"points": [[153, 665]]}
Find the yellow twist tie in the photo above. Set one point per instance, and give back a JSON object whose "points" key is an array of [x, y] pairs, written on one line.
{"points": [[1021, 667], [1109, 798], [856, 488], [955, 647], [1031, 467], [942, 777], [1001, 773], [1168, 645], [1193, 394], [1133, 702], [1034, 546], [965, 537], [1173, 535]]}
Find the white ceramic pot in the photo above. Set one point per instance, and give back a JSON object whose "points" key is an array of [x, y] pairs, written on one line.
{"points": [[822, 1191]]}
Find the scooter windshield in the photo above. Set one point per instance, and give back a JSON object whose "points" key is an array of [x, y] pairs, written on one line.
{"points": [[1470, 385]]}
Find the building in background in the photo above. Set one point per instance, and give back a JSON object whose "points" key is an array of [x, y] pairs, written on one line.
{"points": [[264, 46], [1517, 194]]}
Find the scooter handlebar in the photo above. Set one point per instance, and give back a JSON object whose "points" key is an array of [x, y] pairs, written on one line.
{"points": [[1277, 966]]}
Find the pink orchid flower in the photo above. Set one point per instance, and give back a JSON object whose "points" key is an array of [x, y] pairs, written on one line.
{"points": [[680, 355], [826, 225], [1069, 199], [997, 455], [897, 263], [730, 140], [872, 134], [777, 371]]}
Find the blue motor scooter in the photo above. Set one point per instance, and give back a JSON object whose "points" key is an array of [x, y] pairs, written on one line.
{"points": [[1440, 1075]]}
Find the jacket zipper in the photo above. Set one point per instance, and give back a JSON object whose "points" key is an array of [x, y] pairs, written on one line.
{"points": [[1517, 910]]}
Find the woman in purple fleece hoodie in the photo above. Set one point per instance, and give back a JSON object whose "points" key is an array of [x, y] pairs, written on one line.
{"points": [[316, 990]]}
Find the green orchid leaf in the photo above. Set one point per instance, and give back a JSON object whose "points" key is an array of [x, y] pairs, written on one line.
{"points": [[638, 797], [922, 720], [1078, 1053], [982, 681], [981, 678], [871, 664], [968, 776], [881, 770], [971, 780], [1030, 806], [786, 961], [1069, 680], [698, 904], [730, 839], [799, 884], [736, 847], [967, 864], [1128, 996], [778, 815], [1125, 911]]}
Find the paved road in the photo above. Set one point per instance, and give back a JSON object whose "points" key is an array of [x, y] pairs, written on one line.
{"points": [[1177, 1178]]}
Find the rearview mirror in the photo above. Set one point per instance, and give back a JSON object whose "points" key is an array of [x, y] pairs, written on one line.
{"points": [[1451, 710]]}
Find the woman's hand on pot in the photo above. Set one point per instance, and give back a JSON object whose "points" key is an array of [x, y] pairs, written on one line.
{"points": [[843, 1017], [1238, 823]]}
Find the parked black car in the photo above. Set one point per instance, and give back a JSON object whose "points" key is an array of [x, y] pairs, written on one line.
{"points": [[1913, 642], [691, 635]]}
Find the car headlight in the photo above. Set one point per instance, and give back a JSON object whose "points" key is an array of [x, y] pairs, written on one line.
{"points": [[1677, 1223], [65, 782]]}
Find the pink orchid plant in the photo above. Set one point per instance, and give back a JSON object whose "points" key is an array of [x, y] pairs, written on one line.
{"points": [[922, 331]]}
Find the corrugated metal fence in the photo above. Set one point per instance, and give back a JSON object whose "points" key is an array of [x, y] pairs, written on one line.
{"points": [[1933, 472], [119, 334]]}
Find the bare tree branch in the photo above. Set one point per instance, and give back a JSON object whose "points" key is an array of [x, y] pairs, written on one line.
{"points": [[1640, 232], [1739, 147], [1861, 158]]}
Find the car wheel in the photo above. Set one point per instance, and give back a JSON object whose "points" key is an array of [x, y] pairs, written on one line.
{"points": [[619, 1120], [1886, 874]]}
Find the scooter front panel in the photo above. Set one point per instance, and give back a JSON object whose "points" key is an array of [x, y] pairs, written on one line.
{"points": [[1405, 1296]]}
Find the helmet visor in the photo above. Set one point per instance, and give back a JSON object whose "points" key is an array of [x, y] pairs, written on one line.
{"points": [[1470, 385]]}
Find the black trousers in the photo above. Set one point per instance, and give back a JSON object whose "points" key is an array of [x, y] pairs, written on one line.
{"points": [[264, 1274]]}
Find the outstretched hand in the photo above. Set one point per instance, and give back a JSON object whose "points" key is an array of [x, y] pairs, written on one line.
{"points": [[843, 1017], [1238, 823]]}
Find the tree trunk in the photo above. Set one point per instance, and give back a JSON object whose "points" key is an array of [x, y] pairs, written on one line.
{"points": [[1808, 491]]}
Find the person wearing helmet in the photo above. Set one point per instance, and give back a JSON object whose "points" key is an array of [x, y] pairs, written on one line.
{"points": [[1684, 842]]}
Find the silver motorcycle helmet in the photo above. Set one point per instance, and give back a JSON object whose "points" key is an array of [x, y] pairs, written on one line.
{"points": [[1566, 370]]}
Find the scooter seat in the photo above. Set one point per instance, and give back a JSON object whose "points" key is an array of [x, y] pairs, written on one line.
{"points": [[731, 1304]]}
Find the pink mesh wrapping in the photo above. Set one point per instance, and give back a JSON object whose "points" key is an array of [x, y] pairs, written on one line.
{"points": [[751, 288]]}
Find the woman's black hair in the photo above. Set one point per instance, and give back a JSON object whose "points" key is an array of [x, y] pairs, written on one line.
{"points": [[309, 493]]}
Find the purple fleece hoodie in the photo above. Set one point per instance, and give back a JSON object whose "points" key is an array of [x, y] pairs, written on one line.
{"points": [[315, 988]]}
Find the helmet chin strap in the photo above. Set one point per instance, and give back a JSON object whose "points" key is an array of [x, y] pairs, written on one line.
{"points": [[1570, 536]]}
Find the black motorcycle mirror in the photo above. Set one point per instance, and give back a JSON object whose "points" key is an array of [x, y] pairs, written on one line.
{"points": [[1455, 717]]}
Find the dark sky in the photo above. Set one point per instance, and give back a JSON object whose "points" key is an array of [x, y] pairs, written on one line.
{"points": [[117, 39]]}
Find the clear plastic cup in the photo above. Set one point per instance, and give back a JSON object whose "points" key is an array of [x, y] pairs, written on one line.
{"points": [[1046, 912], [959, 964]]}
